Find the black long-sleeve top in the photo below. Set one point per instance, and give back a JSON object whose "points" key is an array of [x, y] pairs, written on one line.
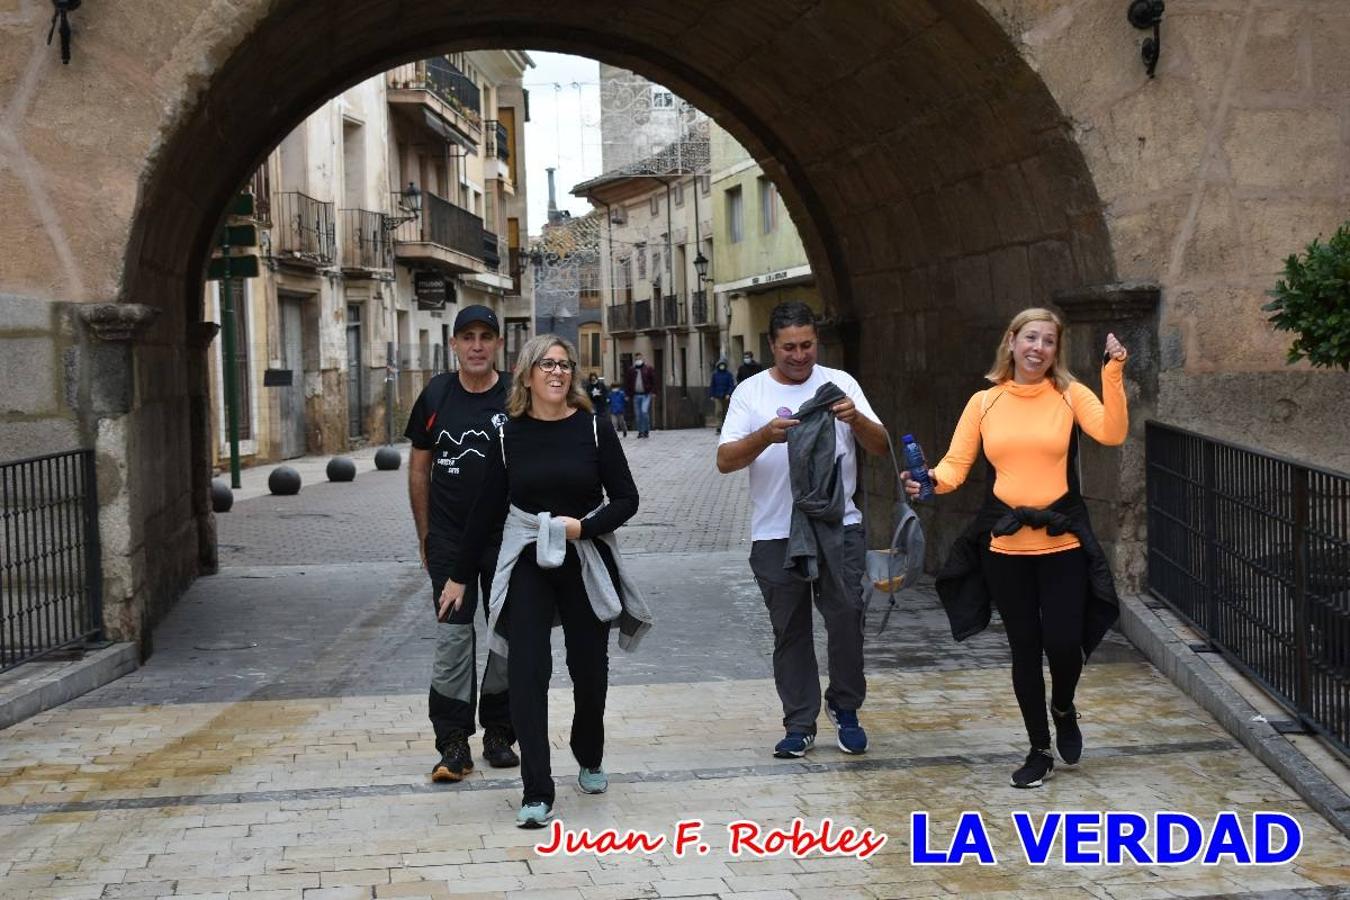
{"points": [[561, 467]]}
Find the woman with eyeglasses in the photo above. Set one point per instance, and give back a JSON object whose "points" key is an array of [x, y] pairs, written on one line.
{"points": [[549, 472]]}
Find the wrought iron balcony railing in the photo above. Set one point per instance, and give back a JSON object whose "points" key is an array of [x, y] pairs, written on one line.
{"points": [[443, 79], [366, 243], [621, 317], [700, 304], [495, 141], [674, 314], [303, 228], [492, 250], [445, 224], [642, 314]]}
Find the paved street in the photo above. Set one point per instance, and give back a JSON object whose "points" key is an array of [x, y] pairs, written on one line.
{"points": [[276, 746]]}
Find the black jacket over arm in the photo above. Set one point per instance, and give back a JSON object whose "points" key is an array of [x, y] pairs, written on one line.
{"points": [[960, 581]]}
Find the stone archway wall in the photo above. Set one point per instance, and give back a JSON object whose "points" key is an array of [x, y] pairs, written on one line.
{"points": [[947, 162]]}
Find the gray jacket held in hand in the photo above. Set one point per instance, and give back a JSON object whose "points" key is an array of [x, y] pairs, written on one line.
{"points": [[817, 480]]}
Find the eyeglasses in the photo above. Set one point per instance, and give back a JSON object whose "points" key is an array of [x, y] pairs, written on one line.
{"points": [[566, 366]]}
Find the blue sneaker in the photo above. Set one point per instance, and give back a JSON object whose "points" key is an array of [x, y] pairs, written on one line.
{"points": [[593, 781], [852, 738], [794, 745], [534, 815]]}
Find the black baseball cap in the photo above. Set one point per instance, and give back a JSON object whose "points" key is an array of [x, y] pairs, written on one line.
{"points": [[477, 313]]}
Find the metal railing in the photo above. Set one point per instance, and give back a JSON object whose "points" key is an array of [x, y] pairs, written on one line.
{"points": [[621, 317], [366, 243], [674, 314], [441, 77], [495, 142], [51, 580], [260, 185], [642, 314], [303, 228], [700, 304], [492, 254], [518, 258], [442, 222], [1254, 552]]}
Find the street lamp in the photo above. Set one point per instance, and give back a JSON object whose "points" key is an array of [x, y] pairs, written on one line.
{"points": [[701, 267], [410, 200]]}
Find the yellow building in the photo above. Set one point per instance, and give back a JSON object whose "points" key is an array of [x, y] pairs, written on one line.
{"points": [[760, 259]]}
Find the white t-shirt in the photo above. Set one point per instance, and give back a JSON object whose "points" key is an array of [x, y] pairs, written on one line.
{"points": [[753, 405]]}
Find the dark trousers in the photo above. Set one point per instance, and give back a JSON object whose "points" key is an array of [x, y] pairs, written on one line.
{"points": [[789, 601], [454, 690], [1042, 600], [536, 597]]}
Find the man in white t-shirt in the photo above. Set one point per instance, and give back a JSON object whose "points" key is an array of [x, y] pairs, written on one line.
{"points": [[754, 435]]}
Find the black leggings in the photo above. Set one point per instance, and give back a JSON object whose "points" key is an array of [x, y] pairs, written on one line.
{"points": [[1041, 600], [533, 600]]}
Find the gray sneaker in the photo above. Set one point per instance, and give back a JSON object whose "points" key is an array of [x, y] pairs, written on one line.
{"points": [[593, 781], [534, 815]]}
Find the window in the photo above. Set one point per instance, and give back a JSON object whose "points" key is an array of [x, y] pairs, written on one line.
{"points": [[662, 99], [656, 205], [588, 348], [656, 266], [735, 215], [768, 205], [705, 184], [679, 193], [641, 251]]}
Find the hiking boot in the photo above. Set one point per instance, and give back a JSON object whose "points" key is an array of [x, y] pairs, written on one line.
{"points": [[534, 815], [497, 750], [851, 737], [1039, 765], [794, 745], [1068, 737], [593, 781], [455, 762]]}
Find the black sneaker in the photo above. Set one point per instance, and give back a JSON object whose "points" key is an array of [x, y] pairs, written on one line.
{"points": [[1039, 766], [497, 750], [1068, 738], [456, 762]]}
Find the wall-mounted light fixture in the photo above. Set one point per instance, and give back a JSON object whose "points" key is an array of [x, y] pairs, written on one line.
{"points": [[1146, 14], [60, 8], [411, 202]]}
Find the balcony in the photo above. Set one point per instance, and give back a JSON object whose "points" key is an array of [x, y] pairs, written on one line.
{"points": [[642, 315], [495, 142], [303, 230], [674, 314], [447, 90], [443, 236], [492, 255], [366, 245], [700, 311], [621, 318], [518, 258], [260, 185]]}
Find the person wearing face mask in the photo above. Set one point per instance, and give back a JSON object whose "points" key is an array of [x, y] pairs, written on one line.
{"points": [[1031, 551], [748, 367], [720, 392], [642, 382]]}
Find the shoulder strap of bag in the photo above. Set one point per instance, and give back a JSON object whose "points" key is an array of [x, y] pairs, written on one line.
{"points": [[433, 396]]}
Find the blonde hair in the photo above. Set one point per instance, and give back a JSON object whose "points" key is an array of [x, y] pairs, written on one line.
{"points": [[518, 401], [1002, 369]]}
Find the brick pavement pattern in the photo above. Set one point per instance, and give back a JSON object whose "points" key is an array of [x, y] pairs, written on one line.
{"points": [[275, 746]]}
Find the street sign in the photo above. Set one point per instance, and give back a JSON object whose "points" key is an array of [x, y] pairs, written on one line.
{"points": [[433, 290], [240, 205], [239, 236], [239, 267]]}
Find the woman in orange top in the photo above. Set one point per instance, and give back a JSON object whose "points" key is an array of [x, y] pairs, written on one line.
{"points": [[1037, 578]]}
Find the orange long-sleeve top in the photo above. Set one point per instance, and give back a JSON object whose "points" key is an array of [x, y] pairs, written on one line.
{"points": [[1025, 429]]}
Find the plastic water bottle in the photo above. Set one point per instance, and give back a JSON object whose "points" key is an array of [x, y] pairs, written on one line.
{"points": [[917, 466]]}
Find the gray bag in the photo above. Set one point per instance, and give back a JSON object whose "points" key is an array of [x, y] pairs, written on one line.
{"points": [[900, 564]]}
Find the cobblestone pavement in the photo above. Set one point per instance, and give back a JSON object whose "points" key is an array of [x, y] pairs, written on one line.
{"points": [[275, 745]]}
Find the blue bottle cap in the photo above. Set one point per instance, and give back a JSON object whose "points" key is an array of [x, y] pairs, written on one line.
{"points": [[907, 439]]}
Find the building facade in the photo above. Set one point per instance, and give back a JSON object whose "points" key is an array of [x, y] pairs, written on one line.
{"points": [[396, 203], [761, 261], [565, 263]]}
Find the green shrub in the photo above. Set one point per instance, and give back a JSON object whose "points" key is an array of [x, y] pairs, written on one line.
{"points": [[1313, 302]]}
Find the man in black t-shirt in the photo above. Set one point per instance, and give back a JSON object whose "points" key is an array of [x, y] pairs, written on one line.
{"points": [[451, 429]]}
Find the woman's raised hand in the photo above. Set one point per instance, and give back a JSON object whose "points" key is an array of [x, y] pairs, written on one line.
{"points": [[1115, 349]]}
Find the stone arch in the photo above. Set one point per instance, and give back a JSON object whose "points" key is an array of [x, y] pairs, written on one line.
{"points": [[933, 177]]}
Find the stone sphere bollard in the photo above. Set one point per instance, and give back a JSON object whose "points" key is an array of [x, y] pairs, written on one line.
{"points": [[284, 481], [222, 498], [340, 468], [387, 459]]}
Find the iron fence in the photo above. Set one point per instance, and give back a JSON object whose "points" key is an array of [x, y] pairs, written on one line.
{"points": [[51, 580], [445, 224], [621, 317], [366, 242], [1254, 551], [303, 228]]}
